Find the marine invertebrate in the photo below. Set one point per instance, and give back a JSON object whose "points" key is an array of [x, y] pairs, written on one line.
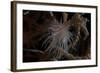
{"points": [[60, 35]]}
